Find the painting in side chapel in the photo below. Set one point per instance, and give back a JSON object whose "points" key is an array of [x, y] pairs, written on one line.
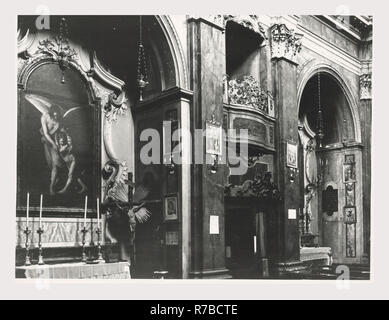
{"points": [[56, 139]]}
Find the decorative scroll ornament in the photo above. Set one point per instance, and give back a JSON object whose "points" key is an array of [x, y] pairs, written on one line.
{"points": [[261, 188], [59, 48], [115, 106], [248, 92], [122, 214], [285, 43], [116, 179], [365, 86]]}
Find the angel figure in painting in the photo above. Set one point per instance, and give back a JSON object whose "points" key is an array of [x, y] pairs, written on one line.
{"points": [[56, 142], [64, 144]]}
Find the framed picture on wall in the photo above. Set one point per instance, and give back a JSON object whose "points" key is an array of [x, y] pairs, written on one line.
{"points": [[349, 173], [291, 154], [170, 208], [58, 142], [350, 214], [214, 139]]}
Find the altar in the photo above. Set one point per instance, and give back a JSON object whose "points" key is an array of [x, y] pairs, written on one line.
{"points": [[78, 270]]}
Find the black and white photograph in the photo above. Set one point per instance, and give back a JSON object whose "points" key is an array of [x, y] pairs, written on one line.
{"points": [[282, 105]]}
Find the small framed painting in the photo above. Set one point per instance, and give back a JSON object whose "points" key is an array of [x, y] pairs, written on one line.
{"points": [[350, 215], [349, 173], [214, 140], [291, 154], [170, 208]]}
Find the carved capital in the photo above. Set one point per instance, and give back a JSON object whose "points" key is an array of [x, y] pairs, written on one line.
{"points": [[285, 43], [365, 86]]}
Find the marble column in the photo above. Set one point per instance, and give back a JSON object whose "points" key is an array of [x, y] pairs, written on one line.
{"points": [[285, 45], [366, 117], [207, 62]]}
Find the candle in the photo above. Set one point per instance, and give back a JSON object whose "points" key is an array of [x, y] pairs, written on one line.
{"points": [[40, 212], [28, 206], [86, 206], [98, 213]]}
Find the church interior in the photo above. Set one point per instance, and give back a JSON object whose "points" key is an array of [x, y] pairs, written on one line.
{"points": [[286, 98]]}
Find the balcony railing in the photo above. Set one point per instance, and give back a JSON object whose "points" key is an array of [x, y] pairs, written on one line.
{"points": [[248, 92]]}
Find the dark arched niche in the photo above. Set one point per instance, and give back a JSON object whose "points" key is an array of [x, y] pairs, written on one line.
{"points": [[337, 117], [116, 41]]}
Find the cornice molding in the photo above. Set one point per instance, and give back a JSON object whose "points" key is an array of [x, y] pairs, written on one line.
{"points": [[331, 52]]}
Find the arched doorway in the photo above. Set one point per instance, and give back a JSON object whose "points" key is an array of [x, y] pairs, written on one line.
{"points": [[331, 181], [158, 241]]}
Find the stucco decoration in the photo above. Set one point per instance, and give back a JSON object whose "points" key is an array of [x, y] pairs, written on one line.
{"points": [[261, 187], [248, 92], [59, 49], [285, 43], [115, 106], [365, 86], [349, 178], [115, 177]]}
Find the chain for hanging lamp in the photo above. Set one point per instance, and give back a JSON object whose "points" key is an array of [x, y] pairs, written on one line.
{"points": [[142, 67], [319, 119], [64, 51]]}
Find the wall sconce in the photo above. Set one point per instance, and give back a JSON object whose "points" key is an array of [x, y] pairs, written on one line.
{"points": [[214, 165], [292, 174]]}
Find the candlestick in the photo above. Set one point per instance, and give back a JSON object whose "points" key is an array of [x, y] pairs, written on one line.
{"points": [[40, 256], [99, 253], [98, 213], [86, 208], [40, 212], [84, 231], [27, 231], [28, 207]]}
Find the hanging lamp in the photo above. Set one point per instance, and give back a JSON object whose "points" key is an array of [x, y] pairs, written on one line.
{"points": [[142, 68], [319, 118], [64, 51]]}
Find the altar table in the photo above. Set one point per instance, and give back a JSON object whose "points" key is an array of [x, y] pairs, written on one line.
{"points": [[78, 270]]}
